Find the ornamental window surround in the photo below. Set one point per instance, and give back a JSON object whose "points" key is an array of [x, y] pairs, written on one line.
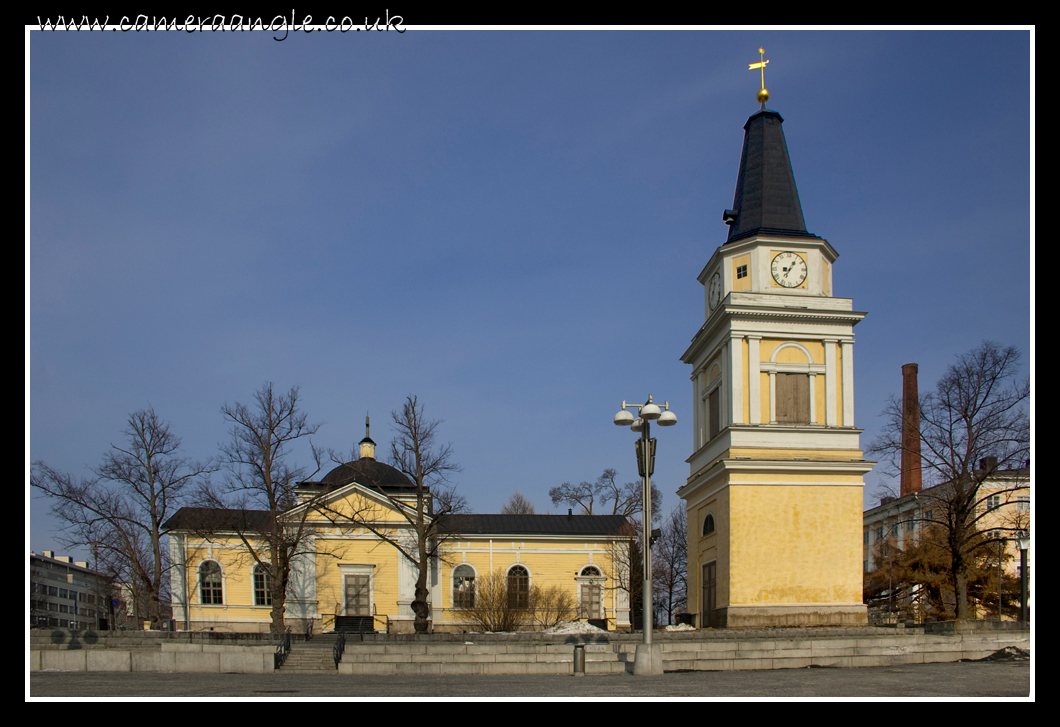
{"points": [[463, 586], [590, 592], [792, 386]]}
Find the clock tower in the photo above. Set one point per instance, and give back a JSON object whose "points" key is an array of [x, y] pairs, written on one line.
{"points": [[774, 495]]}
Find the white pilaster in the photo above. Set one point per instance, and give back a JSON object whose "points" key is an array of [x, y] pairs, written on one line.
{"points": [[773, 397], [847, 349], [697, 422], [813, 398], [830, 381], [754, 378], [736, 377], [724, 414]]}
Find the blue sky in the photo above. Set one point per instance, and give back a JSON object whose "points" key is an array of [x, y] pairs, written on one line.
{"points": [[507, 224]]}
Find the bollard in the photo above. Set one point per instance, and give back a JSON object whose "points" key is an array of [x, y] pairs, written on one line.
{"points": [[579, 660]]}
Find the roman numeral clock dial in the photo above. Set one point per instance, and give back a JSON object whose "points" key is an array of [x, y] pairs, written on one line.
{"points": [[789, 270]]}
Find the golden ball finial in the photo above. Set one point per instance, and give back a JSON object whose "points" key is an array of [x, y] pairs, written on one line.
{"points": [[762, 96]]}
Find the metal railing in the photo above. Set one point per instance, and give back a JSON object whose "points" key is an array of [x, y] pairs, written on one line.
{"points": [[283, 650], [339, 647]]}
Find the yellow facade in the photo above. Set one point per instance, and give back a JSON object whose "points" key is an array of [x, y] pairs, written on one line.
{"points": [[332, 553]]}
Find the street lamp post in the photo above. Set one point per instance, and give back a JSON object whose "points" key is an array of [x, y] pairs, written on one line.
{"points": [[1024, 541], [648, 659]]}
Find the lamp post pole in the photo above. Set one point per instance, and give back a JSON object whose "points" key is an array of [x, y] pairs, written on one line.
{"points": [[1024, 543], [1000, 547], [648, 659]]}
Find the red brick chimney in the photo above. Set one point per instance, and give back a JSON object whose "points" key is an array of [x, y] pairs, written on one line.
{"points": [[911, 481]]}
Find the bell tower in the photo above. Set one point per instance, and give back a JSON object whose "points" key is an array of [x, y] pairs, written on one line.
{"points": [[774, 495]]}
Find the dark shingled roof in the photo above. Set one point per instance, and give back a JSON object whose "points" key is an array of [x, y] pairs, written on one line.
{"points": [[207, 519], [533, 524], [368, 472], [766, 200]]}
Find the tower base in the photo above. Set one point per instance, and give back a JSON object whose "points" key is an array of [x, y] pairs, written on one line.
{"points": [[751, 617]]}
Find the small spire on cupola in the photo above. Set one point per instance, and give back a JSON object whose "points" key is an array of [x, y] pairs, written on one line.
{"points": [[367, 445]]}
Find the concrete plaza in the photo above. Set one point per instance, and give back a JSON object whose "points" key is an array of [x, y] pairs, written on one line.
{"points": [[989, 679]]}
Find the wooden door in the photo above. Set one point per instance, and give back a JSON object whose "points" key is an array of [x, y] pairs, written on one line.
{"points": [[709, 600], [358, 595]]}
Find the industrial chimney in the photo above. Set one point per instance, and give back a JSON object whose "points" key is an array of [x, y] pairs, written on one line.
{"points": [[911, 481]]}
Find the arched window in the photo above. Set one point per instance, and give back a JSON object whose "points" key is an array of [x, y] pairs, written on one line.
{"points": [[518, 587], [463, 587], [262, 586], [708, 525], [792, 375], [590, 592], [210, 583]]}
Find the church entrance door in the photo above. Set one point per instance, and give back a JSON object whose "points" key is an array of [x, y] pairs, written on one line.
{"points": [[358, 595]]}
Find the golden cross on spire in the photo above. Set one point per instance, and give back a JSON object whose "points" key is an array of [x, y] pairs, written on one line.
{"points": [[763, 95]]}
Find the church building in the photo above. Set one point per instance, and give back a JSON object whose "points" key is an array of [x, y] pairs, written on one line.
{"points": [[344, 575], [774, 496]]}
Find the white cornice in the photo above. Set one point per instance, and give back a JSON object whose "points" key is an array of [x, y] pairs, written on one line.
{"points": [[792, 467]]}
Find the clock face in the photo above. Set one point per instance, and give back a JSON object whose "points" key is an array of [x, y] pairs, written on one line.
{"points": [[789, 270], [714, 291]]}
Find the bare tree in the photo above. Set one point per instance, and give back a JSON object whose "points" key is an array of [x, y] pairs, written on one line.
{"points": [[259, 487], [415, 452], [670, 563], [606, 496], [974, 445], [518, 505], [120, 511]]}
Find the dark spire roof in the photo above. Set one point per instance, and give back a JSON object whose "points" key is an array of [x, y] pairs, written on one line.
{"points": [[766, 201]]}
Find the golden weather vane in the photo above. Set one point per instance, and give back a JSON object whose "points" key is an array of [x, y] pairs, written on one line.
{"points": [[763, 95]]}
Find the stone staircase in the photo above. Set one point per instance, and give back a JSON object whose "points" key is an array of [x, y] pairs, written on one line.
{"points": [[315, 656]]}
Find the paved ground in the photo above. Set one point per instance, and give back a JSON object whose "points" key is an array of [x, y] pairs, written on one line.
{"points": [[961, 679]]}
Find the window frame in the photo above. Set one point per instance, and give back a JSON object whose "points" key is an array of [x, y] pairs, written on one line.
{"points": [[263, 593], [708, 519], [522, 586], [216, 591], [460, 597]]}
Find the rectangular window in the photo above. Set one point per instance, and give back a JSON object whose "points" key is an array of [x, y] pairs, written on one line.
{"points": [[793, 398], [741, 271], [62, 593], [714, 411], [1023, 503], [866, 537], [879, 533], [262, 592], [894, 528], [909, 525], [993, 502]]}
